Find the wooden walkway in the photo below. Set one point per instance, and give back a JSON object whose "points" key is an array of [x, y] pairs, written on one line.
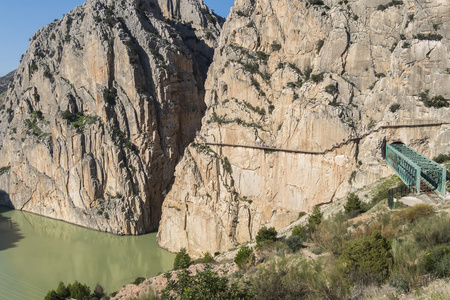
{"points": [[337, 146]]}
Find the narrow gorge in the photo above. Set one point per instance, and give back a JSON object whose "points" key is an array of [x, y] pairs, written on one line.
{"points": [[101, 108], [140, 115]]}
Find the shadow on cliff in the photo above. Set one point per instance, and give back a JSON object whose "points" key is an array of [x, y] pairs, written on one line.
{"points": [[9, 230]]}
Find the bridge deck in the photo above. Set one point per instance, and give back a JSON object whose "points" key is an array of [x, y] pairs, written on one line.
{"points": [[416, 170]]}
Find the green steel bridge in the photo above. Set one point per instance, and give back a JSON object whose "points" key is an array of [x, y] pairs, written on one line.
{"points": [[418, 172]]}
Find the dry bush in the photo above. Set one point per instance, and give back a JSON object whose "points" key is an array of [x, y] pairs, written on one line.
{"points": [[287, 279], [432, 230], [333, 234], [406, 270], [417, 211], [391, 225]]}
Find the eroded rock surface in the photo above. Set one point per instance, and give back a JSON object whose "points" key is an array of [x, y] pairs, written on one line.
{"points": [[5, 81], [300, 77], [101, 109]]}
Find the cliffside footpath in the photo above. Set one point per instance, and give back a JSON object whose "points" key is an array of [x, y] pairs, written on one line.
{"points": [[301, 98]]}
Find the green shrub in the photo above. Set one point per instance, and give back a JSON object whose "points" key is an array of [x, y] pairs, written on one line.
{"points": [[206, 284], [3, 170], [392, 3], [78, 290], [67, 115], [75, 291], [62, 290], [226, 165], [399, 282], [251, 67], [315, 2], [182, 260], [331, 89], [441, 158], [83, 120], [243, 257], [299, 231], [37, 114], [294, 242], [428, 37], [110, 95], [314, 219], [353, 205], [395, 2], [275, 46], [320, 45], [317, 77], [307, 72], [417, 211], [138, 280], [99, 292], [266, 234], [109, 17], [78, 120], [262, 55], [368, 259], [34, 129], [302, 213], [33, 67], [437, 261], [394, 107], [207, 258], [437, 101]]}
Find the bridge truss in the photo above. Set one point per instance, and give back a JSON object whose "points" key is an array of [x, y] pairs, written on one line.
{"points": [[416, 171]]}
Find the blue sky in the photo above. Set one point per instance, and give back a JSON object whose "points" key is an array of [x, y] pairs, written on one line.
{"points": [[19, 20]]}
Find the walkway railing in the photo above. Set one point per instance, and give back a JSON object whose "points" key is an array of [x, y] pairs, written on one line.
{"points": [[334, 147]]}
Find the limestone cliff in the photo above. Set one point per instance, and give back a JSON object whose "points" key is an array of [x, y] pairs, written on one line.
{"points": [[102, 107], [301, 97], [5, 81]]}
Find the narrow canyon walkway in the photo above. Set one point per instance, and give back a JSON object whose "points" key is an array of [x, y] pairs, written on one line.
{"points": [[353, 138]]}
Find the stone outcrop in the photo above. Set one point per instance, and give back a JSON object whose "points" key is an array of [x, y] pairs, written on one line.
{"points": [[5, 81], [316, 83], [101, 109]]}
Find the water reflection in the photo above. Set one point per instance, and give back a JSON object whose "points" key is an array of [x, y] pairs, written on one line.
{"points": [[53, 251], [9, 232]]}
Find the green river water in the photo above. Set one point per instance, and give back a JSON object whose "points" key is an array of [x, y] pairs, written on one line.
{"points": [[36, 253]]}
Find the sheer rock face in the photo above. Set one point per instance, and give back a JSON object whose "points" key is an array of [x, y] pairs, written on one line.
{"points": [[101, 109], [265, 88]]}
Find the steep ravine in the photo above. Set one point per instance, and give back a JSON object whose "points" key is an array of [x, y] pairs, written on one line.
{"points": [[322, 85], [101, 109]]}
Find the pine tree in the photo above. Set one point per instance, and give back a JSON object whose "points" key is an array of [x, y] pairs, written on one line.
{"points": [[315, 218], [182, 260], [353, 204]]}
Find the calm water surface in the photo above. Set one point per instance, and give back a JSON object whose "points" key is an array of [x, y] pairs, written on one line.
{"points": [[37, 253]]}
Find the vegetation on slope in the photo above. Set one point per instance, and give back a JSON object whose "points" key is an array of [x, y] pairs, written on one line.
{"points": [[379, 252], [397, 252]]}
